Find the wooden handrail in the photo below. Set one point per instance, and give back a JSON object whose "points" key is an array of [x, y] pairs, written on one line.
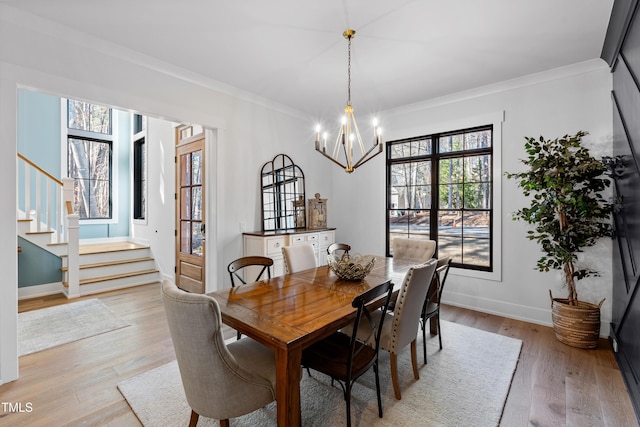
{"points": [[69, 207], [39, 169]]}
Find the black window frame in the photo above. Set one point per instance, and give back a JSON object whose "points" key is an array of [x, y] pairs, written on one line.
{"points": [[110, 145], [96, 136], [139, 178], [434, 158]]}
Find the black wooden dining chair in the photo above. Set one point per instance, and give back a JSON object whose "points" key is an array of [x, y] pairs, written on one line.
{"points": [[235, 266], [344, 247], [431, 307], [343, 357]]}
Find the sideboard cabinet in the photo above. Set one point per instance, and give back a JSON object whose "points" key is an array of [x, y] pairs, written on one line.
{"points": [[270, 244]]}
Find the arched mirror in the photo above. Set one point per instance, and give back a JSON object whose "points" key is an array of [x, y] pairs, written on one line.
{"points": [[283, 195]]}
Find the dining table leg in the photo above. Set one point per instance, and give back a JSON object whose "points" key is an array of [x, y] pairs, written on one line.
{"points": [[288, 375]]}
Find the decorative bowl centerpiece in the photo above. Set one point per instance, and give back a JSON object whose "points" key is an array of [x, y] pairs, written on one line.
{"points": [[351, 267]]}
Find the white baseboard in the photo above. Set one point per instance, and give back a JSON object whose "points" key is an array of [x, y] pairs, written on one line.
{"points": [[512, 311], [40, 290]]}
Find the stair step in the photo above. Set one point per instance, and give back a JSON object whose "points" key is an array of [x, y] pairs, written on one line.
{"points": [[111, 263], [87, 258], [86, 249], [112, 277]]}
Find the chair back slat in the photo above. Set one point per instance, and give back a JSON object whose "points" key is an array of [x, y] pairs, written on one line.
{"points": [[235, 266], [345, 248], [361, 303]]}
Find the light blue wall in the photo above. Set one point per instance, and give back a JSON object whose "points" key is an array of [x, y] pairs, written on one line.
{"points": [[39, 129], [38, 136], [39, 139], [37, 266]]}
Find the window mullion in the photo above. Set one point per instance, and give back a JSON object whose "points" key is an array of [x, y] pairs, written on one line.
{"points": [[435, 190]]}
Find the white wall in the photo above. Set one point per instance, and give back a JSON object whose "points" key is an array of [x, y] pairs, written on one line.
{"points": [[157, 229], [551, 104]]}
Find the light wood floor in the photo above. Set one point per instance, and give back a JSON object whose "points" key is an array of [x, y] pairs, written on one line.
{"points": [[75, 384]]}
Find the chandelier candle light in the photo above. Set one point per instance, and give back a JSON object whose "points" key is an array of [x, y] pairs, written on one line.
{"points": [[349, 133]]}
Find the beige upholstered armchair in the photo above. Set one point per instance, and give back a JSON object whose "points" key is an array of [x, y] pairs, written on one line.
{"points": [[400, 329], [417, 250], [219, 381]]}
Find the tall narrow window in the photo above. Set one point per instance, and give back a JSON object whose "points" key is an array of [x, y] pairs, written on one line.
{"points": [[89, 158], [440, 187], [139, 168]]}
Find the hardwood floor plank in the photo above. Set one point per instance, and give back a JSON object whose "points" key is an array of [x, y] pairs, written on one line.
{"points": [[583, 404], [617, 410], [76, 383]]}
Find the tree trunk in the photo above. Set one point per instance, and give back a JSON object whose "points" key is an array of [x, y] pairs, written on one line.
{"points": [[569, 268]]}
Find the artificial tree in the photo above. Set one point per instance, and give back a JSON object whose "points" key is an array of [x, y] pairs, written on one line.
{"points": [[568, 210]]}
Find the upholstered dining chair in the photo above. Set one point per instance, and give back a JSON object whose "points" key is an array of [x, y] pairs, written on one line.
{"points": [[343, 357], [431, 307], [417, 250], [401, 328], [299, 257], [220, 381], [236, 266]]}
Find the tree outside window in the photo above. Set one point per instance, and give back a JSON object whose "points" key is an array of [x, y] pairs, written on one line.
{"points": [[89, 158]]}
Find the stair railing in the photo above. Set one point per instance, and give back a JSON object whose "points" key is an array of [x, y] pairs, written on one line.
{"points": [[53, 199], [53, 211]]}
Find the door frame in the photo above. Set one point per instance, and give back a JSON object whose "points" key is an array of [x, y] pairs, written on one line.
{"points": [[212, 273]]}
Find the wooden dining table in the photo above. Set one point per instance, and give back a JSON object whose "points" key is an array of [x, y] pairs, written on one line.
{"points": [[288, 313]]}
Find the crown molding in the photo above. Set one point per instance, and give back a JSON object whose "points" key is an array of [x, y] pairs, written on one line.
{"points": [[503, 86], [52, 29]]}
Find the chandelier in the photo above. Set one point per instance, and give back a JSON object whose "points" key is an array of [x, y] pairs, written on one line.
{"points": [[349, 134]]}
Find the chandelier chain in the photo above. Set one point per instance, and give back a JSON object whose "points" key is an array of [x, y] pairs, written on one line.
{"points": [[349, 74]]}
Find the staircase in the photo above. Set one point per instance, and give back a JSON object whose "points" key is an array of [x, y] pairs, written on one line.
{"points": [[50, 224], [109, 266]]}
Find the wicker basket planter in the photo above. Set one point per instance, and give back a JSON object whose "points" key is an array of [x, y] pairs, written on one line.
{"points": [[576, 325]]}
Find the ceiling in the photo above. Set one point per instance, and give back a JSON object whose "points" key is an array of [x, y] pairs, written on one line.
{"points": [[293, 51]]}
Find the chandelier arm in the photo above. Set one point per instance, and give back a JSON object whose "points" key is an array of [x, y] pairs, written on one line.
{"points": [[332, 159], [336, 146], [357, 132], [364, 158], [346, 156]]}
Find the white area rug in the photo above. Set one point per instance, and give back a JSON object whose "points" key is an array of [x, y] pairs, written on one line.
{"points": [[61, 324], [465, 384]]}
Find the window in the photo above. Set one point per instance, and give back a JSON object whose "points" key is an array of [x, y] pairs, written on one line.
{"points": [[139, 168], [440, 187], [89, 158]]}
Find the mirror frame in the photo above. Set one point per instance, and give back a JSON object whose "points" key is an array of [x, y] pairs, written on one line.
{"points": [[283, 195]]}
